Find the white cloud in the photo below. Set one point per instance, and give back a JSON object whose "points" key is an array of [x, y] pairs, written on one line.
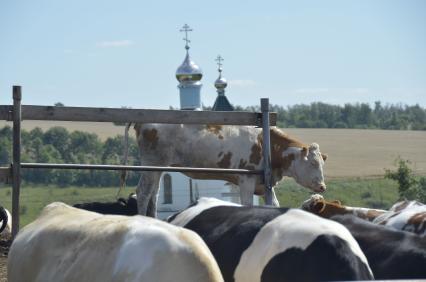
{"points": [[113, 44], [242, 83]]}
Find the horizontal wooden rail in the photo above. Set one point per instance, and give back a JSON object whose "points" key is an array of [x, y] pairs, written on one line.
{"points": [[121, 115], [6, 112], [139, 168], [5, 174]]}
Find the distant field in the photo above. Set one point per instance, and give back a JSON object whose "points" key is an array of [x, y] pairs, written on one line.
{"points": [[352, 152]]}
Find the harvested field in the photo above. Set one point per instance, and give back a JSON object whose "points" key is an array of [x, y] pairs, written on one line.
{"points": [[352, 152], [365, 153]]}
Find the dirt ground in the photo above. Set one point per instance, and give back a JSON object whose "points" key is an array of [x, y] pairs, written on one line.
{"points": [[4, 250]]}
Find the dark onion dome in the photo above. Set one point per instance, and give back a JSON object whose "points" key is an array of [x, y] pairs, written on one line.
{"points": [[188, 71]]}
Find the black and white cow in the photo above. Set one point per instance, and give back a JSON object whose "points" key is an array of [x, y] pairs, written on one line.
{"points": [[274, 244], [392, 254], [120, 207], [6, 223]]}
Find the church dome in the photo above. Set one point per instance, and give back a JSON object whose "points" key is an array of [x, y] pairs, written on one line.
{"points": [[188, 71], [220, 83]]}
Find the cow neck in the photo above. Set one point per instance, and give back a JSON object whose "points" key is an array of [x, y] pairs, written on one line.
{"points": [[281, 153]]}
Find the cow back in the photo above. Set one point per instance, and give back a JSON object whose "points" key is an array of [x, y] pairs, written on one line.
{"points": [[68, 244], [392, 254], [258, 244]]}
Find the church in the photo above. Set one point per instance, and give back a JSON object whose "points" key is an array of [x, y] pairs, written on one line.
{"points": [[177, 191]]}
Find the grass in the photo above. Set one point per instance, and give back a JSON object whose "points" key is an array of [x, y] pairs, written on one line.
{"points": [[375, 193], [33, 199]]}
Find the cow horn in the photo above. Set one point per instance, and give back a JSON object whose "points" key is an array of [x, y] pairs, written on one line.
{"points": [[313, 147], [4, 218], [318, 206]]}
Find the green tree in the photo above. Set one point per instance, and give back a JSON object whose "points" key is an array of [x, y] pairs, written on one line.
{"points": [[409, 187]]}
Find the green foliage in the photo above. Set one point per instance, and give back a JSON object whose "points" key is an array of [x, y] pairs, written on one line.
{"points": [[57, 145], [410, 187], [359, 115]]}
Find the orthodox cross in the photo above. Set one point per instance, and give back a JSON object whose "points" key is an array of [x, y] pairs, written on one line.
{"points": [[219, 60], [186, 29]]}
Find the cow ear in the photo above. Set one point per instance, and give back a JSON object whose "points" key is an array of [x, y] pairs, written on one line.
{"points": [[304, 153], [324, 156], [337, 202], [318, 207]]}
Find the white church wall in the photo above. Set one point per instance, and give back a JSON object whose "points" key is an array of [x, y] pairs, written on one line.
{"points": [[180, 197]]}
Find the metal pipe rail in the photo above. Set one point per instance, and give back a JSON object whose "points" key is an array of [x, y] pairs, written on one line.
{"points": [[140, 168]]}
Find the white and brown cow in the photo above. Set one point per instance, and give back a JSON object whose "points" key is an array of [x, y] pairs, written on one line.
{"points": [[224, 147], [70, 244], [324, 208], [405, 215]]}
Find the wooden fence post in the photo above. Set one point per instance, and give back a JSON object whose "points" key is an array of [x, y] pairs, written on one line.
{"points": [[267, 173], [16, 162]]}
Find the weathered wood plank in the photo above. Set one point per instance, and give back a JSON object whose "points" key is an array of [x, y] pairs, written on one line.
{"points": [[30, 112], [267, 172], [16, 160], [5, 112], [5, 175]]}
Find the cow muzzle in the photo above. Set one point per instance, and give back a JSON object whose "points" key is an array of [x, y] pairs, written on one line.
{"points": [[320, 188]]}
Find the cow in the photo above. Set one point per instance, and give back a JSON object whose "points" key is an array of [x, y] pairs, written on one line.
{"points": [[255, 243], [392, 254], [69, 244], [121, 206], [219, 146], [319, 206], [405, 215], [6, 223]]}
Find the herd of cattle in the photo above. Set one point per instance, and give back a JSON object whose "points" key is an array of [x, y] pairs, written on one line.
{"points": [[214, 240]]}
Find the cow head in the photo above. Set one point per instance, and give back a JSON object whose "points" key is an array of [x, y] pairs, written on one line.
{"points": [[307, 168], [314, 203]]}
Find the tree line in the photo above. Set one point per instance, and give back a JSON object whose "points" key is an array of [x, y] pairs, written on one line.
{"points": [[359, 115], [58, 145]]}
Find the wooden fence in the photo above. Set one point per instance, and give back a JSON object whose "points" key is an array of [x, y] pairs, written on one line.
{"points": [[17, 112]]}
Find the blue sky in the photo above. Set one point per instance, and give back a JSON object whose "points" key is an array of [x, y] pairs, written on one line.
{"points": [[125, 53]]}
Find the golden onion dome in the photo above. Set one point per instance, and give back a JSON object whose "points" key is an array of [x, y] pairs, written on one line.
{"points": [[188, 71]]}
